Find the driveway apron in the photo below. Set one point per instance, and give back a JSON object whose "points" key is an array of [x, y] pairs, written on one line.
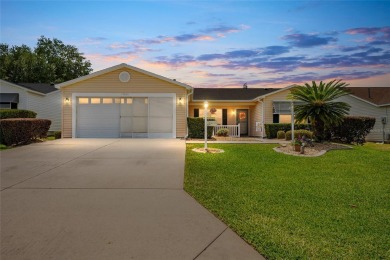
{"points": [[106, 199]]}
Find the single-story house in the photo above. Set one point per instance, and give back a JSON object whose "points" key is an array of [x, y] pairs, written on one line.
{"points": [[44, 99], [124, 101]]}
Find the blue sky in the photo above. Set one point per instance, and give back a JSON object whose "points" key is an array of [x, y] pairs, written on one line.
{"points": [[218, 43]]}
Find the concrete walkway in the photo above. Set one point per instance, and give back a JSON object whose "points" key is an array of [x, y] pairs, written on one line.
{"points": [[106, 199]]}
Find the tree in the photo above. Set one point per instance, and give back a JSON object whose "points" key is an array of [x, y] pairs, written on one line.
{"points": [[319, 105], [50, 62]]}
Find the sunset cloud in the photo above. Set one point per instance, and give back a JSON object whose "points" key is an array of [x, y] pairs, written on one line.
{"points": [[301, 40]]}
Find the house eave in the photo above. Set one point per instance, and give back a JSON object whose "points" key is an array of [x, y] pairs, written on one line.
{"points": [[116, 67]]}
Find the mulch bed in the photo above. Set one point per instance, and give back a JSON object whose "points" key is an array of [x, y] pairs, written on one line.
{"points": [[317, 150]]}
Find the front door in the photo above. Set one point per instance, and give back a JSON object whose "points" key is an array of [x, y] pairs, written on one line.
{"points": [[242, 119]]}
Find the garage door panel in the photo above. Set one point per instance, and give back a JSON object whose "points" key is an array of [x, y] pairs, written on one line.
{"points": [[140, 124], [161, 107], [98, 120], [160, 125]]}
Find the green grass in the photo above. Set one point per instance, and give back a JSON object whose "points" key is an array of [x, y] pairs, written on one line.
{"points": [[3, 147], [336, 206]]}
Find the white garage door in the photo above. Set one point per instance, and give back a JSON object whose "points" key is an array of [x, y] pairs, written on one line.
{"points": [[145, 117], [98, 118]]}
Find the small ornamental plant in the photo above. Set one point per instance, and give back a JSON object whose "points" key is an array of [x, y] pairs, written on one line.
{"points": [[223, 132]]}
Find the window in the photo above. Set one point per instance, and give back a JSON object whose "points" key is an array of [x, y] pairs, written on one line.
{"points": [[196, 112], [282, 111], [83, 101], [95, 100], [107, 100]]}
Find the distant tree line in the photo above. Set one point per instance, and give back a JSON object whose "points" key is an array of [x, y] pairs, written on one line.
{"points": [[51, 61]]}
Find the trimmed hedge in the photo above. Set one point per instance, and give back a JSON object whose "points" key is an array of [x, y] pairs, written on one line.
{"points": [[271, 130], [57, 135], [15, 131], [299, 133], [353, 129], [16, 113], [196, 127]]}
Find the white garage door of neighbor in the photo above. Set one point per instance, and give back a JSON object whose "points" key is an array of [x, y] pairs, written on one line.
{"points": [[125, 117]]}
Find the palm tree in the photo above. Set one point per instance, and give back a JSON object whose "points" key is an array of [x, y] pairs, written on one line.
{"points": [[319, 105]]}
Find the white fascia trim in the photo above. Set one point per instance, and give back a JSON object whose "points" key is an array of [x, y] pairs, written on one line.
{"points": [[116, 67], [119, 95]]}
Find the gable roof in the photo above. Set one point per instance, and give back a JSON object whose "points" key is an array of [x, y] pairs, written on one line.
{"points": [[7, 83], [379, 96], [43, 88], [120, 66], [230, 94]]}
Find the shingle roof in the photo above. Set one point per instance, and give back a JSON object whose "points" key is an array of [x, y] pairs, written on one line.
{"points": [[230, 93], [377, 95], [44, 88]]}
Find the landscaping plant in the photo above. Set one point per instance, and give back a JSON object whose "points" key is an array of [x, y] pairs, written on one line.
{"points": [[319, 105], [223, 132]]}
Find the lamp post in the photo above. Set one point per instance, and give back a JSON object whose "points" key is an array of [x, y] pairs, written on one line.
{"points": [[206, 105]]}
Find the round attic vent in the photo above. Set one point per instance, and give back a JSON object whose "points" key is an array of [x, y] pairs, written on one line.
{"points": [[124, 76]]}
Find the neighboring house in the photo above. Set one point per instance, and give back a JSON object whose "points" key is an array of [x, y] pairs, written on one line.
{"points": [[44, 99], [124, 101], [373, 102]]}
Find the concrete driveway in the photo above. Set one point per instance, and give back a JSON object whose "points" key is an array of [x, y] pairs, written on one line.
{"points": [[106, 199]]}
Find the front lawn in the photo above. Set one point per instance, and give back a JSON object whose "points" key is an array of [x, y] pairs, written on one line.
{"points": [[335, 206]]}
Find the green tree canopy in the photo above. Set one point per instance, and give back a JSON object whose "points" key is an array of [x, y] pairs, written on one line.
{"points": [[319, 105], [51, 61]]}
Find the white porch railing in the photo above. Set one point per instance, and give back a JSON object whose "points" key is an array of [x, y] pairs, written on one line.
{"points": [[234, 130]]}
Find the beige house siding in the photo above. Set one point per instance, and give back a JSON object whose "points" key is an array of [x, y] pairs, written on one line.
{"points": [[362, 108], [256, 118], [110, 83]]}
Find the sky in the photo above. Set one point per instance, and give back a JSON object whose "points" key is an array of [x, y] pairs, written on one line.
{"points": [[218, 44]]}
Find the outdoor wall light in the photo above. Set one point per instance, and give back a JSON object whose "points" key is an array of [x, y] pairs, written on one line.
{"points": [[67, 100], [180, 100]]}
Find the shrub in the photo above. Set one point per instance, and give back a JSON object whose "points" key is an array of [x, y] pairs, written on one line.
{"points": [[281, 134], [353, 129], [57, 135], [223, 132], [22, 130], [196, 127], [16, 113], [299, 133], [271, 130]]}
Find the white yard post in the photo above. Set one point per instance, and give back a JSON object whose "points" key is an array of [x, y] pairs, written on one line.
{"points": [[205, 124]]}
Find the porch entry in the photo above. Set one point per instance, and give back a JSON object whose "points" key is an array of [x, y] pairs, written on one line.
{"points": [[242, 120]]}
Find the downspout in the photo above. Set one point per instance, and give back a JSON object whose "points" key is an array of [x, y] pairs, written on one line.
{"points": [[187, 100]]}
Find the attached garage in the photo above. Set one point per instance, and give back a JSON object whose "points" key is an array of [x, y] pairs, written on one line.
{"points": [[140, 105]]}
